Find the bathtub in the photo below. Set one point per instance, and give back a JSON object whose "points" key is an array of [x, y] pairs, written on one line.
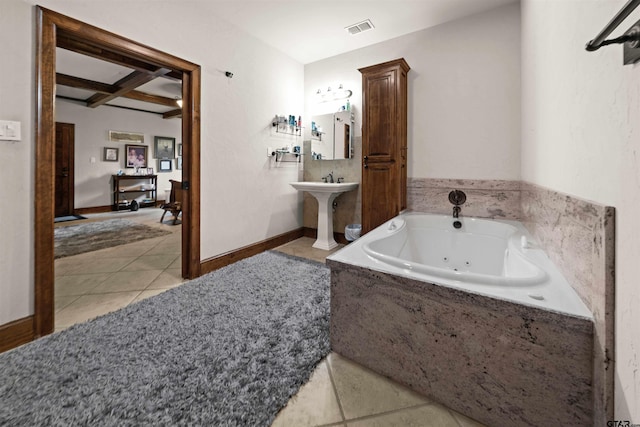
{"points": [[475, 317], [495, 258]]}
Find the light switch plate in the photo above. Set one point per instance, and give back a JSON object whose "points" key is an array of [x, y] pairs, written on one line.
{"points": [[9, 130]]}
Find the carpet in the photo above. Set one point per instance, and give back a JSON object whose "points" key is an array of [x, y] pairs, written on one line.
{"points": [[227, 349], [92, 236], [68, 218]]}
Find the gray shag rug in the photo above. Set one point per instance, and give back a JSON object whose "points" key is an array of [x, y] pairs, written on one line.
{"points": [[92, 236], [227, 349]]}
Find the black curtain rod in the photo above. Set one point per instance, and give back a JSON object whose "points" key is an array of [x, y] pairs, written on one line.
{"points": [[599, 40]]}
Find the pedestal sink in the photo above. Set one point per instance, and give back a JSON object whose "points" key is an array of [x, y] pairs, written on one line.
{"points": [[325, 193]]}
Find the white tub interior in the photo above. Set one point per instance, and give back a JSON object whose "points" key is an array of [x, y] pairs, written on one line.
{"points": [[486, 257]]}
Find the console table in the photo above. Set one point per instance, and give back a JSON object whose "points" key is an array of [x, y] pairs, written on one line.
{"points": [[136, 186]]}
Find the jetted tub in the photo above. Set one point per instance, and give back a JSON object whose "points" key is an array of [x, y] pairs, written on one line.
{"points": [[477, 317], [496, 258]]}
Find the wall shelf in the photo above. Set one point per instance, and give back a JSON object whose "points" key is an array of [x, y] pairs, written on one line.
{"points": [[280, 156], [287, 129], [287, 126]]}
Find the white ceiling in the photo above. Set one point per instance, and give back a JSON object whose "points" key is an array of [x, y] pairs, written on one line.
{"points": [[311, 30], [306, 30]]}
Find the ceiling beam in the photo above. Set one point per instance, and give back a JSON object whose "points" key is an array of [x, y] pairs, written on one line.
{"points": [[125, 85], [154, 99], [82, 101], [172, 114], [80, 83], [65, 42], [104, 55]]}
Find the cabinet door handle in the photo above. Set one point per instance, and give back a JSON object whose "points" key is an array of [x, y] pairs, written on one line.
{"points": [[365, 161]]}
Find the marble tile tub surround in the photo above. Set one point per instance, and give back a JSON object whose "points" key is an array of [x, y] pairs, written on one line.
{"points": [[498, 362], [498, 199], [579, 237]]}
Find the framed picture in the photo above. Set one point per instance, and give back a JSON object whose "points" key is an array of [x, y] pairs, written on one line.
{"points": [[136, 156], [164, 165], [179, 163], [110, 154], [131, 137], [179, 150], [164, 147]]}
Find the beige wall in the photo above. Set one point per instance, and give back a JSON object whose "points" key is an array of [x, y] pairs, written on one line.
{"points": [[580, 133], [464, 94]]}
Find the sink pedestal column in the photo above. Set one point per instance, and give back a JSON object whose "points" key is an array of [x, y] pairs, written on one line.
{"points": [[325, 193], [325, 221]]}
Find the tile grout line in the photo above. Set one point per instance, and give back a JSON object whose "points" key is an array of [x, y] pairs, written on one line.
{"points": [[335, 389], [454, 417], [393, 411]]}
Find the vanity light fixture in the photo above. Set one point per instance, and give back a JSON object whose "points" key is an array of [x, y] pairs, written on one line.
{"points": [[333, 95], [360, 27]]}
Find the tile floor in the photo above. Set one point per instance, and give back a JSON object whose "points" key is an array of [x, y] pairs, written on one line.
{"points": [[95, 283], [339, 392]]}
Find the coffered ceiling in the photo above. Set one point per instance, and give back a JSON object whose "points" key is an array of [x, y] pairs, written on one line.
{"points": [[95, 82]]}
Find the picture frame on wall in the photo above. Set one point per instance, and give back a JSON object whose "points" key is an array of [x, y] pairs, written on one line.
{"points": [[164, 165], [130, 137], [179, 163], [164, 147], [110, 154], [136, 156], [179, 150]]}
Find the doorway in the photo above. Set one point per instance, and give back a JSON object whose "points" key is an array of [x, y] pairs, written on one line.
{"points": [[64, 169], [54, 29]]}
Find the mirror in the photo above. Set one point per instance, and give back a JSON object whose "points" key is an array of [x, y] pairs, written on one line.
{"points": [[331, 136]]}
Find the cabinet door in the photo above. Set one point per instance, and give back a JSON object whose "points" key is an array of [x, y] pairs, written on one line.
{"points": [[383, 143]]}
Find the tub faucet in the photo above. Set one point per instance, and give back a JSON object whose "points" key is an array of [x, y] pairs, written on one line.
{"points": [[457, 198]]}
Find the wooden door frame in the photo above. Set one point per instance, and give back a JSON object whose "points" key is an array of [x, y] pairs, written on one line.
{"points": [[71, 204], [49, 26]]}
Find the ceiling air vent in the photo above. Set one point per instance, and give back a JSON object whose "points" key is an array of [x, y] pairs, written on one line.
{"points": [[359, 27]]}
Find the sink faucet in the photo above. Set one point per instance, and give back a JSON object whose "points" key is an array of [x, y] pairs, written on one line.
{"points": [[329, 178]]}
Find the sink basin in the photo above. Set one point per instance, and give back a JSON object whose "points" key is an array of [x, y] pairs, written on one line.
{"points": [[325, 193], [324, 187]]}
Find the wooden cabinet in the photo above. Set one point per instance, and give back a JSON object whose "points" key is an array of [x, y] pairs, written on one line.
{"points": [[127, 188], [384, 142]]}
